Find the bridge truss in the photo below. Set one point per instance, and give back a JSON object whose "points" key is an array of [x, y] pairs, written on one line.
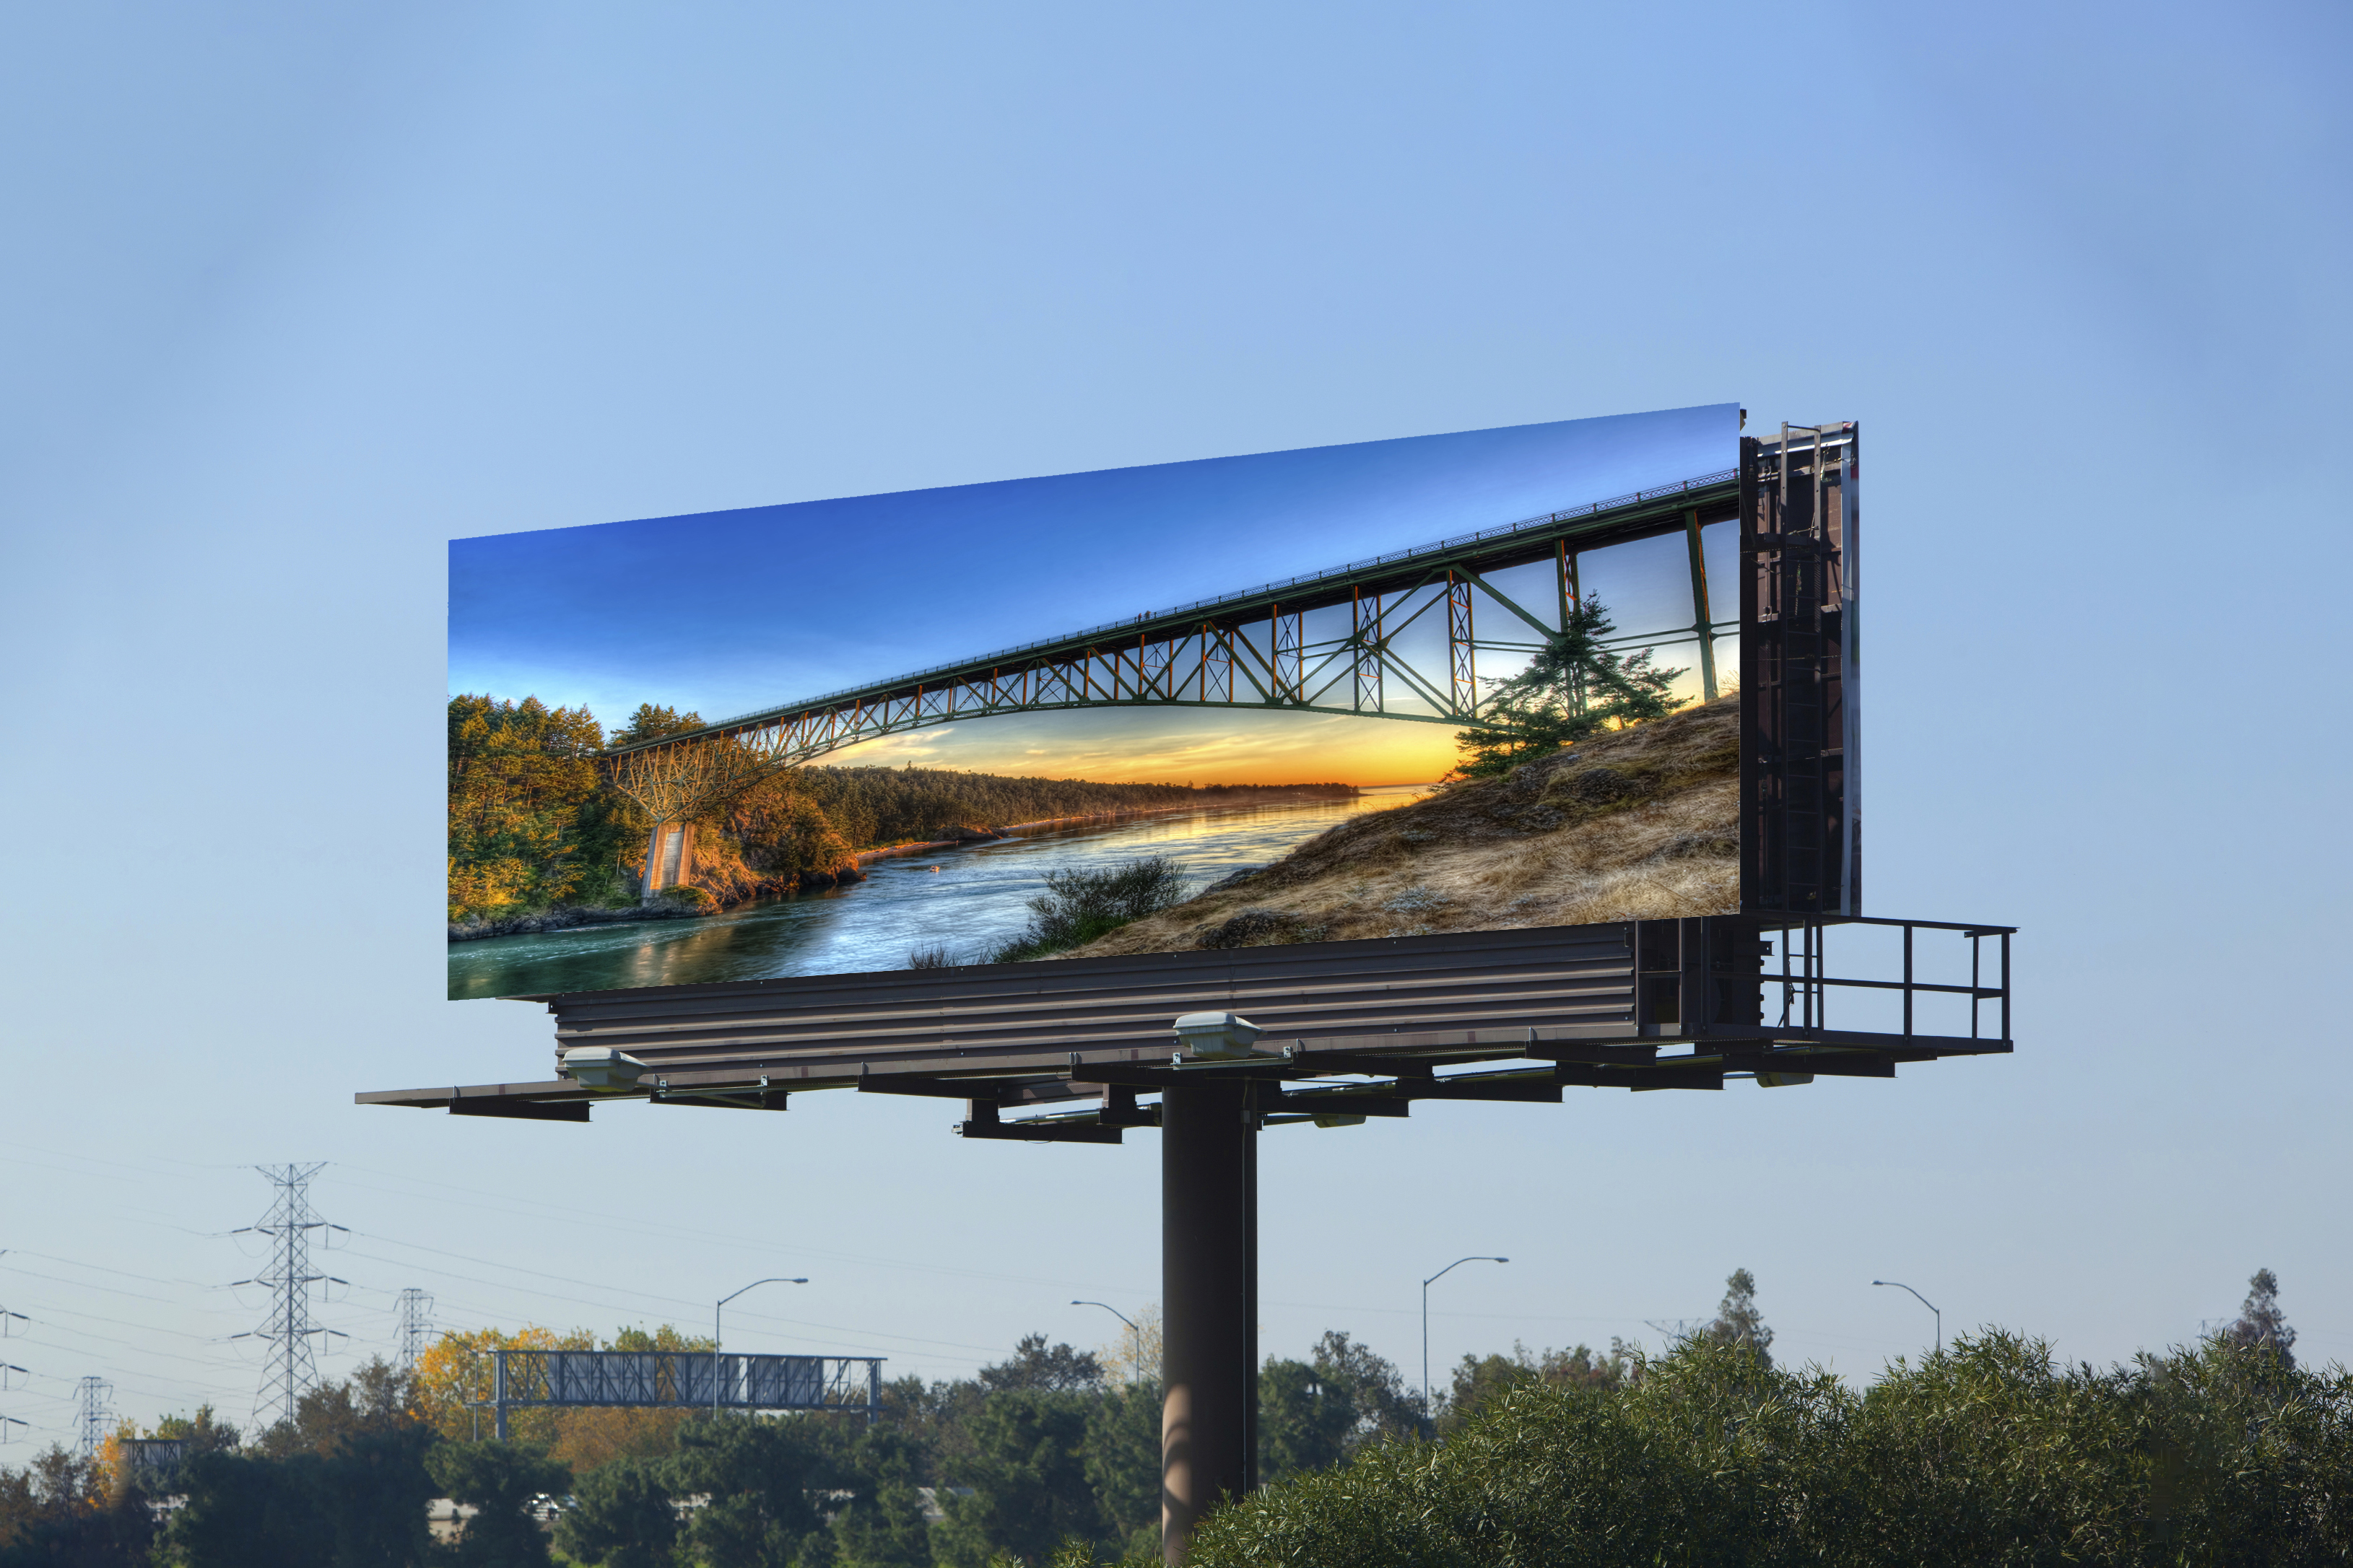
{"points": [[1257, 648]]}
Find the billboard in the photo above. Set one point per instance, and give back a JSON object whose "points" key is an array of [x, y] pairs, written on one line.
{"points": [[1542, 675]]}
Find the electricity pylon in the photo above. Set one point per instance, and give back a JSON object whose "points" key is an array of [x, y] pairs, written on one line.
{"points": [[291, 1370], [415, 1328], [91, 1397]]}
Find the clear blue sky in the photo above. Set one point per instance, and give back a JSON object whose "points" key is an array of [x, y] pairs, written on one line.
{"points": [[297, 294]]}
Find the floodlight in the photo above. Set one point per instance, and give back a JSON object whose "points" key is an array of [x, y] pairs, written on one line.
{"points": [[1217, 1035], [602, 1066]]}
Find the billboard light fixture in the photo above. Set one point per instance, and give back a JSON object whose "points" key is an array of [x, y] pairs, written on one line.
{"points": [[1218, 1036], [602, 1066]]}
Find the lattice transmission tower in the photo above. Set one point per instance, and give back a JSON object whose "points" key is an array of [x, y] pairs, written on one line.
{"points": [[290, 1370], [415, 1328], [93, 1399], [10, 1373]]}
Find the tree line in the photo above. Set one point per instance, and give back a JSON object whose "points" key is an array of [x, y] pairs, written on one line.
{"points": [[1990, 1450], [532, 826], [1046, 1448]]}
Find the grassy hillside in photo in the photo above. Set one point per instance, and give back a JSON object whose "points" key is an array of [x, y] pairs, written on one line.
{"points": [[1636, 823]]}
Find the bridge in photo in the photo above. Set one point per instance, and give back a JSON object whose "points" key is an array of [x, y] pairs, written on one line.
{"points": [[1250, 649]]}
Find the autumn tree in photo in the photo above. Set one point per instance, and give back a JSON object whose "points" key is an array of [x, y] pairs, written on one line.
{"points": [[522, 785]]}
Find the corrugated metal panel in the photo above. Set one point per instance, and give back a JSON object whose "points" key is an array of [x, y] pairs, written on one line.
{"points": [[1568, 981]]}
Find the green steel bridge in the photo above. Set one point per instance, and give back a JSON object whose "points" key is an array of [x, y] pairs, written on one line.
{"points": [[1251, 649]]}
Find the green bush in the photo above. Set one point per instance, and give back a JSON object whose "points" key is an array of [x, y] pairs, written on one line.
{"points": [[1078, 906], [1990, 1453]]}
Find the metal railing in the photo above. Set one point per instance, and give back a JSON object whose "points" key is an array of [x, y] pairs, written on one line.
{"points": [[1806, 985]]}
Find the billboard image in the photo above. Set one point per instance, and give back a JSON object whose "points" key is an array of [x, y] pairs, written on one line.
{"points": [[1481, 681]]}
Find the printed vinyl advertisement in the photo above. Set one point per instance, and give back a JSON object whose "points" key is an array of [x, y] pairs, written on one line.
{"points": [[1459, 682]]}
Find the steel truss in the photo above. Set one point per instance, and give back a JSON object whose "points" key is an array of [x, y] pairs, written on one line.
{"points": [[538, 1379], [1251, 649]]}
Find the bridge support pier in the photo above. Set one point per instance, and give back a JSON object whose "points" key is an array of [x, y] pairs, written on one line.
{"points": [[670, 858], [1209, 1265]]}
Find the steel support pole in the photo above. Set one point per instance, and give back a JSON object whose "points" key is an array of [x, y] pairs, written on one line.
{"points": [[1208, 1268]]}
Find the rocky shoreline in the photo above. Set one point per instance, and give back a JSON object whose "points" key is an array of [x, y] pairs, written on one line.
{"points": [[564, 918]]}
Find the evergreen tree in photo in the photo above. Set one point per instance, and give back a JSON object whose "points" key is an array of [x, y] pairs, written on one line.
{"points": [[2262, 1325], [1575, 687], [1737, 1321], [651, 724]]}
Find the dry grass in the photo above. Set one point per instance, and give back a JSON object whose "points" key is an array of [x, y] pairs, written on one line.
{"points": [[1642, 824]]}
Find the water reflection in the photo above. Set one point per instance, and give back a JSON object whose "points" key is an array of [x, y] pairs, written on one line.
{"points": [[977, 899]]}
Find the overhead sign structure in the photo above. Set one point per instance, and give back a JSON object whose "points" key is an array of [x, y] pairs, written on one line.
{"points": [[1190, 868], [528, 1379]]}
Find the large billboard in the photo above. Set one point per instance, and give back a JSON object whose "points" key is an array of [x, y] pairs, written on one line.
{"points": [[1491, 680]]}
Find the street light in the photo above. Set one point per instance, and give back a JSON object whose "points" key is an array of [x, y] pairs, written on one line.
{"points": [[1923, 1301], [1479, 1257], [773, 1279], [1135, 1333]]}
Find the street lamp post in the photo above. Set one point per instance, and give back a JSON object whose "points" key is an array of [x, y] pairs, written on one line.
{"points": [[773, 1279], [1924, 1301], [1478, 1257], [1136, 1334]]}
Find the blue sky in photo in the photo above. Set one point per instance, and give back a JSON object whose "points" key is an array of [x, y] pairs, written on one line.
{"points": [[724, 613]]}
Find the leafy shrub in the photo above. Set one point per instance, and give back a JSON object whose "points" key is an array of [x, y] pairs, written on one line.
{"points": [[1988, 1453], [1076, 907]]}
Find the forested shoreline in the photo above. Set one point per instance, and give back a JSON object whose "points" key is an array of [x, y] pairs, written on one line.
{"points": [[538, 838]]}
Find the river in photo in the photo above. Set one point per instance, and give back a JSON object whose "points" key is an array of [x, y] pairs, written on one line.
{"points": [[970, 900]]}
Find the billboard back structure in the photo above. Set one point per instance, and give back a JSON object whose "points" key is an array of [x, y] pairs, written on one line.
{"points": [[1537, 719]]}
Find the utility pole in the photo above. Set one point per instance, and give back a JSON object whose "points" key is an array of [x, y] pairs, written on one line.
{"points": [[415, 1311], [91, 1397], [290, 1369]]}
